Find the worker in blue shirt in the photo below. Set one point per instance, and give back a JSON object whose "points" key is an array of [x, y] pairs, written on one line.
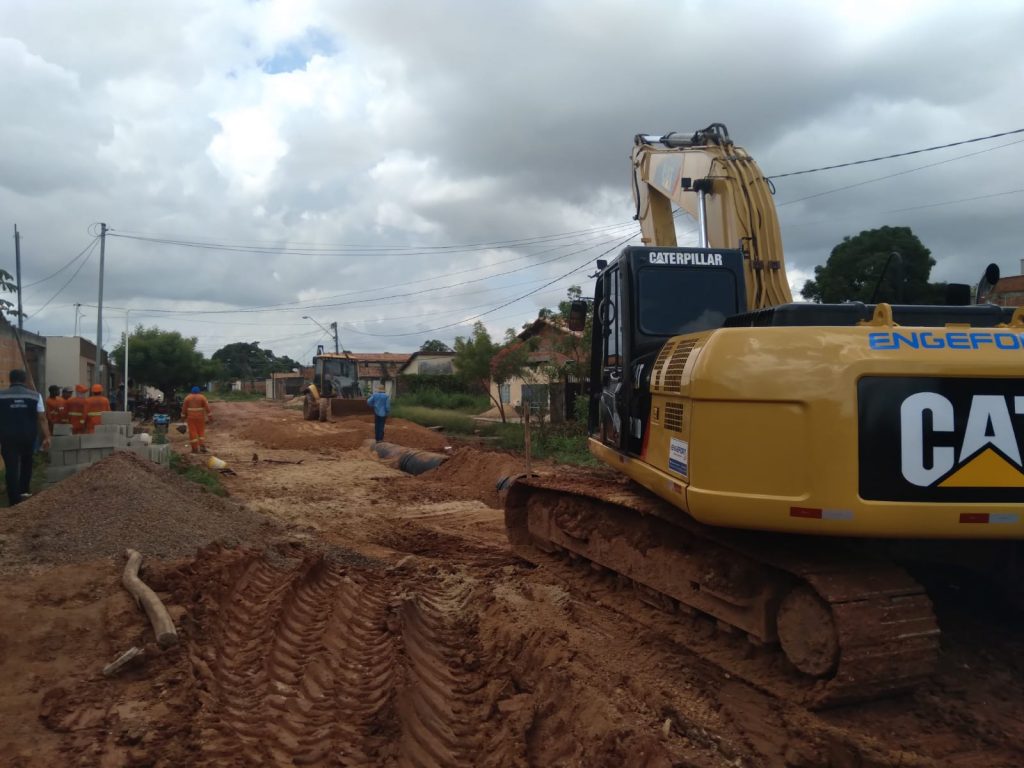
{"points": [[22, 421], [381, 404]]}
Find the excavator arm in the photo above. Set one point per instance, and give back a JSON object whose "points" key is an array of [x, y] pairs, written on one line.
{"points": [[721, 186]]}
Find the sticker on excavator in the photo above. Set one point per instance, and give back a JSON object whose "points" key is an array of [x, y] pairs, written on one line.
{"points": [[679, 456], [941, 439]]}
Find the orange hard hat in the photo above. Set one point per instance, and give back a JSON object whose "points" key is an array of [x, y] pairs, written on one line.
{"points": [[97, 389], [80, 388]]}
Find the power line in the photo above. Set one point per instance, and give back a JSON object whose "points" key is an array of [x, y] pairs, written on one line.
{"points": [[507, 303], [91, 248], [898, 154], [72, 261], [459, 310], [376, 251], [953, 202], [898, 173], [315, 248], [334, 305], [298, 304]]}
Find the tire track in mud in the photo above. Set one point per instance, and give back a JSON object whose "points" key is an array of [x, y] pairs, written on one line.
{"points": [[311, 662], [443, 705]]}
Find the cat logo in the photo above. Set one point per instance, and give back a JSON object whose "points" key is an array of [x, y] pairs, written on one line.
{"points": [[941, 440], [989, 451]]}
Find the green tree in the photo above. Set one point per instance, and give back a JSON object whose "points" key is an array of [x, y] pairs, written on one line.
{"points": [[245, 360], [163, 359], [434, 347], [7, 285], [572, 348], [858, 265], [481, 362]]}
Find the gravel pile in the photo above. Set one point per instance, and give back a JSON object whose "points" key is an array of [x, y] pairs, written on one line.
{"points": [[118, 503]]}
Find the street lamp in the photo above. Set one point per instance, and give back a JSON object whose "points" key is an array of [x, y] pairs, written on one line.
{"points": [[333, 330]]}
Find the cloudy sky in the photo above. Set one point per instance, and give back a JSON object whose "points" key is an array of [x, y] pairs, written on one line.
{"points": [[403, 167]]}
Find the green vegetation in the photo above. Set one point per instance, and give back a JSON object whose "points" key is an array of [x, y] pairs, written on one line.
{"points": [[463, 402], [246, 360], [885, 264], [481, 362], [565, 443], [454, 422], [197, 474]]}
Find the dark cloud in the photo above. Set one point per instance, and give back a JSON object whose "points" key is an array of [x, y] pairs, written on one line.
{"points": [[411, 125]]}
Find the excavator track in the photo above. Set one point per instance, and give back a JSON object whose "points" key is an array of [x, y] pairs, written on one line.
{"points": [[837, 628]]}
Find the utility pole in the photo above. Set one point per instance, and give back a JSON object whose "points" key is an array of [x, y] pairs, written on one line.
{"points": [[78, 314], [98, 372], [333, 330], [126, 314], [17, 269]]}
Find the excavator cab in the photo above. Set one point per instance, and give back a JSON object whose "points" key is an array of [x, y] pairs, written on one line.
{"points": [[643, 298]]}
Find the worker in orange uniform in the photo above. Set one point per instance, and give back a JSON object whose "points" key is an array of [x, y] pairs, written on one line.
{"points": [[76, 410], [95, 405], [54, 406], [196, 412], [66, 394]]}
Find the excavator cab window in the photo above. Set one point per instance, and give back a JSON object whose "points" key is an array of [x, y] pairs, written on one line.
{"points": [[608, 317], [676, 301]]}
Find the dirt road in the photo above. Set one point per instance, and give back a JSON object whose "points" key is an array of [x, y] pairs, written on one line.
{"points": [[359, 616]]}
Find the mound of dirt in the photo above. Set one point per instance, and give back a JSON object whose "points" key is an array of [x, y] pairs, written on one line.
{"points": [[473, 474], [291, 432], [118, 503]]}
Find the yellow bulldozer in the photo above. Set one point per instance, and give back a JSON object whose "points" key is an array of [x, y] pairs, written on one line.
{"points": [[783, 457], [335, 388]]}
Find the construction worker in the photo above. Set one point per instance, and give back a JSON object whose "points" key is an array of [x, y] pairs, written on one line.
{"points": [[22, 422], [381, 405], [66, 394], [195, 410], [54, 406], [95, 405], [76, 410]]}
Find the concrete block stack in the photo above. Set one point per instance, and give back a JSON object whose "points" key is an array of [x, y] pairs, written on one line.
{"points": [[72, 453]]}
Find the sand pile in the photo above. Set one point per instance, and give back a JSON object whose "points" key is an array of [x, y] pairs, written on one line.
{"points": [[473, 474], [118, 503]]}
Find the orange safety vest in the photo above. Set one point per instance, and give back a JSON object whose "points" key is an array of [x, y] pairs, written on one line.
{"points": [[195, 406], [94, 407], [75, 410], [54, 409]]}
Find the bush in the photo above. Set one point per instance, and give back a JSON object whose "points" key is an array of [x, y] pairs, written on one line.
{"points": [[456, 423], [463, 402], [411, 384]]}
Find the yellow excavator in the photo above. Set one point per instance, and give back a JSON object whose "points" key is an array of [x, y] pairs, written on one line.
{"points": [[782, 457]]}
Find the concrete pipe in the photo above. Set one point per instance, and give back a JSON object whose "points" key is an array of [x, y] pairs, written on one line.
{"points": [[418, 462], [409, 460]]}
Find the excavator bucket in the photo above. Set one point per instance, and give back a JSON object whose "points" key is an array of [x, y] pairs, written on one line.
{"points": [[342, 407]]}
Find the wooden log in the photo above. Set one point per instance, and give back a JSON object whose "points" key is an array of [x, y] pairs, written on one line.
{"points": [[166, 634]]}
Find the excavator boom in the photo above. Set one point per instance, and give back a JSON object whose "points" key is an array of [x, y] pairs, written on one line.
{"points": [[720, 186]]}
